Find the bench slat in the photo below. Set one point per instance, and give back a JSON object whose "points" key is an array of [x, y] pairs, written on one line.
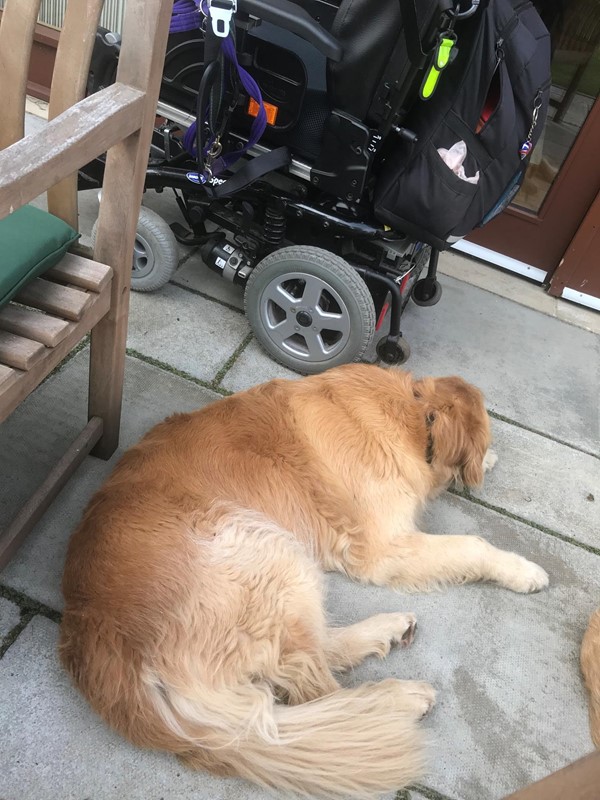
{"points": [[81, 272], [17, 386], [6, 373], [55, 299], [15, 351], [33, 325]]}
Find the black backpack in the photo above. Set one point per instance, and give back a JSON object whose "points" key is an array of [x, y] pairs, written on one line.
{"points": [[494, 97]]}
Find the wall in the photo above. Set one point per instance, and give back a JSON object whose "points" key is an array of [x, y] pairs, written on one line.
{"points": [[52, 12]]}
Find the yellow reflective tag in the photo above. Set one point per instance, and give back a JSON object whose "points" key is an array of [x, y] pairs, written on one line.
{"points": [[430, 82]]}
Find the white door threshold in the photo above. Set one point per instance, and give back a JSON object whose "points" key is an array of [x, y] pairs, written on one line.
{"points": [[500, 260]]}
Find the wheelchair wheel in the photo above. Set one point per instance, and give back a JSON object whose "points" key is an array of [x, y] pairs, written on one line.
{"points": [[155, 255], [309, 309], [427, 292]]}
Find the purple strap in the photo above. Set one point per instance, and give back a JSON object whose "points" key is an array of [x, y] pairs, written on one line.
{"points": [[186, 16], [259, 125]]}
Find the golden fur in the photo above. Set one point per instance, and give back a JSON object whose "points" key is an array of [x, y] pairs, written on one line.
{"points": [[590, 666], [194, 617]]}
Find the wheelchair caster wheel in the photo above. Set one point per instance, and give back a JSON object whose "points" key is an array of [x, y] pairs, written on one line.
{"points": [[427, 292], [391, 352], [309, 309], [155, 255]]}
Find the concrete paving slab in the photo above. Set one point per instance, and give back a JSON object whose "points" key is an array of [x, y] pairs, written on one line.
{"points": [[54, 747], [10, 614], [194, 274], [184, 330], [34, 124], [545, 482], [516, 288], [535, 369], [39, 431], [511, 707], [254, 366], [89, 208]]}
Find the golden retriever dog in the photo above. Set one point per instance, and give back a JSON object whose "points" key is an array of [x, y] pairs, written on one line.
{"points": [[590, 666], [194, 619]]}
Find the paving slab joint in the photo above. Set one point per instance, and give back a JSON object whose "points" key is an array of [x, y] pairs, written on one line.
{"points": [[421, 791], [229, 364], [509, 421], [186, 256], [155, 362], [466, 495], [29, 608], [205, 296]]}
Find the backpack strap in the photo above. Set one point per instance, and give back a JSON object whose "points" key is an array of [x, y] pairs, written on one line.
{"points": [[412, 33]]}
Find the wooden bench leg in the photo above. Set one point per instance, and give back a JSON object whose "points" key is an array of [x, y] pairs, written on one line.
{"points": [[114, 245], [34, 508], [107, 371]]}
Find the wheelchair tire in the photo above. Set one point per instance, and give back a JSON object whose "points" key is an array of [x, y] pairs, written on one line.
{"points": [[309, 309], [427, 292], [155, 254]]}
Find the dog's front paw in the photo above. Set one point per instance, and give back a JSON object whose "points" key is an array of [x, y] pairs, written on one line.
{"points": [[390, 629], [490, 460], [523, 576]]}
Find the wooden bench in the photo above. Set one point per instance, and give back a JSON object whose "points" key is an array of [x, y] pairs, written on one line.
{"points": [[577, 781], [80, 295]]}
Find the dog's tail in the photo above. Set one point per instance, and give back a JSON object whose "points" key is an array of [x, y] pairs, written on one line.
{"points": [[590, 666], [352, 743]]}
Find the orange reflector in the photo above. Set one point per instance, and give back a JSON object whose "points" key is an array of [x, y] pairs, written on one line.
{"points": [[272, 111]]}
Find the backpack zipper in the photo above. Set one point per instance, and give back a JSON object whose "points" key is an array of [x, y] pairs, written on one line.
{"points": [[500, 55]]}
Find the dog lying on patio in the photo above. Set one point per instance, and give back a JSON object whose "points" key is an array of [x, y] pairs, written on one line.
{"points": [[194, 617], [590, 666]]}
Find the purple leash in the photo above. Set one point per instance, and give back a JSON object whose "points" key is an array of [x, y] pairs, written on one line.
{"points": [[259, 124], [188, 15]]}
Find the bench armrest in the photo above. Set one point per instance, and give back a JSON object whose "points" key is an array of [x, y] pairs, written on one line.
{"points": [[80, 134]]}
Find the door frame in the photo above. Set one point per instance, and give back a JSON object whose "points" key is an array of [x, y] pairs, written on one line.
{"points": [[577, 277]]}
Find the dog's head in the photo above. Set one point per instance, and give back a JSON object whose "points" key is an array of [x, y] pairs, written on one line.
{"points": [[459, 428]]}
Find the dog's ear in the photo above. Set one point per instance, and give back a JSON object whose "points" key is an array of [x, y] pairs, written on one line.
{"points": [[459, 426], [472, 471], [446, 436]]}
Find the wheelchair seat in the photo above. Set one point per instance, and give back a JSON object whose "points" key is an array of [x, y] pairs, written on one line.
{"points": [[300, 81]]}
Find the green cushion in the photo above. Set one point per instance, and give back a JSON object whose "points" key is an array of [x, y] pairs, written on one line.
{"points": [[31, 242]]}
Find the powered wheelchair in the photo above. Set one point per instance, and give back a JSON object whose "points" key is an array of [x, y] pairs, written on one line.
{"points": [[275, 124]]}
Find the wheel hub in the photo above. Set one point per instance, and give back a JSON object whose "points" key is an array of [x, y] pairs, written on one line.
{"points": [[304, 318], [143, 257]]}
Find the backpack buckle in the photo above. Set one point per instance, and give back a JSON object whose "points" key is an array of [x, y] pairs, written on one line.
{"points": [[221, 14]]}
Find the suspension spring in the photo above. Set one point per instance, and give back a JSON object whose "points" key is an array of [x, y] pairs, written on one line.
{"points": [[274, 228]]}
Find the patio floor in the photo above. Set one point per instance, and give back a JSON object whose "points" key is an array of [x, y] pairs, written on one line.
{"points": [[511, 706]]}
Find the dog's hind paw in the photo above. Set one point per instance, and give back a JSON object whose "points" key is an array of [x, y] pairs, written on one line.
{"points": [[490, 460], [416, 697], [387, 630]]}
